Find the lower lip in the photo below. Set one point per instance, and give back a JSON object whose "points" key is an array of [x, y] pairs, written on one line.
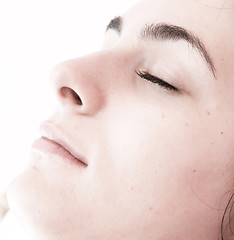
{"points": [[51, 148]]}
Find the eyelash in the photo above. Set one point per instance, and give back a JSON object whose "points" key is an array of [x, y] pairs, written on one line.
{"points": [[154, 79]]}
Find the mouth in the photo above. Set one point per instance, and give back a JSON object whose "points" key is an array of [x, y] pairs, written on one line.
{"points": [[53, 143]]}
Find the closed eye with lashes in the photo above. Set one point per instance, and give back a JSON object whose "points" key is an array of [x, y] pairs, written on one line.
{"points": [[149, 77]]}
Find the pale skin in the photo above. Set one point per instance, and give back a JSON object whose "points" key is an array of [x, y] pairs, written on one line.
{"points": [[160, 161]]}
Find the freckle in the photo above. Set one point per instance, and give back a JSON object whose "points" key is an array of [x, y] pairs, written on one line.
{"points": [[162, 115], [208, 113], [150, 208]]}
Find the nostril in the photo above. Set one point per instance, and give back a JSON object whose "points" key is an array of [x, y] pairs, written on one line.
{"points": [[69, 93]]}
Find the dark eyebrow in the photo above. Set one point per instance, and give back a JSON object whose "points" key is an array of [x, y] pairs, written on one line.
{"points": [[164, 31], [115, 24]]}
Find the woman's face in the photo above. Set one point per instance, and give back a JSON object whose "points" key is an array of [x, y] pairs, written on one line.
{"points": [[152, 116]]}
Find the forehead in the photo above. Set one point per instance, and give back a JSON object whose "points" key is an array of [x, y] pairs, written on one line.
{"points": [[211, 20], [193, 9]]}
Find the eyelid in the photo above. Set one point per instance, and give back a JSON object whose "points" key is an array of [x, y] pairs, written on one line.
{"points": [[154, 79]]}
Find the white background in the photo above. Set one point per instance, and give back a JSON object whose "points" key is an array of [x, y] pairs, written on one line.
{"points": [[34, 36]]}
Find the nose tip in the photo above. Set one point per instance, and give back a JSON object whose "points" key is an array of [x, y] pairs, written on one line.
{"points": [[69, 94], [77, 85]]}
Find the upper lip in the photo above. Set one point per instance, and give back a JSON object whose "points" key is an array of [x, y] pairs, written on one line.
{"points": [[52, 132]]}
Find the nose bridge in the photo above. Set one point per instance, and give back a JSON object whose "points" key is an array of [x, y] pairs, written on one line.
{"points": [[80, 70], [87, 80]]}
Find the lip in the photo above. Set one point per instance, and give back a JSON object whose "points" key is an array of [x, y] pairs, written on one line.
{"points": [[53, 142]]}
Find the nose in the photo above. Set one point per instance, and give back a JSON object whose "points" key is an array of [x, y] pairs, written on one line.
{"points": [[83, 83]]}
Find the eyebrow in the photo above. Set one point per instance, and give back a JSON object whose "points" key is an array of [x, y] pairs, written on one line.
{"points": [[115, 24], [164, 31]]}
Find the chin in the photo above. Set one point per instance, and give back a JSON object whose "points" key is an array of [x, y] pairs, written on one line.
{"points": [[39, 207], [25, 198]]}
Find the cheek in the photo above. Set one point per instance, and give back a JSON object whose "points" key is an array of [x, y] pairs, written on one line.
{"points": [[160, 153], [140, 153]]}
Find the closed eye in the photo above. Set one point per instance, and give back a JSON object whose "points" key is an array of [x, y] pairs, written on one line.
{"points": [[154, 79]]}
